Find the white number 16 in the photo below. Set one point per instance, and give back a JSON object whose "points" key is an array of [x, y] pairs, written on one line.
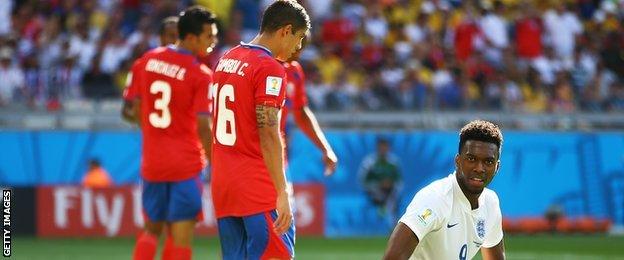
{"points": [[225, 116]]}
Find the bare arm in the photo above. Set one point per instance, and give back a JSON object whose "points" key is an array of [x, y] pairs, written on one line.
{"points": [[131, 111], [308, 124], [401, 244], [267, 120], [204, 127], [496, 252]]}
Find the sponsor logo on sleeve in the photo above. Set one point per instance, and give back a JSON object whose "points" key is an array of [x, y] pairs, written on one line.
{"points": [[426, 216], [273, 85]]}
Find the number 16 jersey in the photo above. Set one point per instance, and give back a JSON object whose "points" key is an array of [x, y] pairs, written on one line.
{"points": [[246, 76], [173, 88]]}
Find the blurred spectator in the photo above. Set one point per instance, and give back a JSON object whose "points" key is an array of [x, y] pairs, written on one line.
{"points": [[370, 55], [548, 66], [562, 26], [83, 45], [418, 31], [115, 51], [5, 17], [96, 176], [563, 101], [339, 32], [512, 94], [317, 91], [582, 70], [375, 24], [616, 100], [553, 214], [12, 77], [528, 33], [329, 65], [35, 90], [412, 92], [250, 12], [494, 28], [467, 37], [381, 178]]}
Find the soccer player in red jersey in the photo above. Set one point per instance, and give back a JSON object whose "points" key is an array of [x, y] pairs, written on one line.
{"points": [[248, 182], [172, 87], [297, 102], [168, 33]]}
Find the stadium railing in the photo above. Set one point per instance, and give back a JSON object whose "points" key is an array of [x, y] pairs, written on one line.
{"points": [[105, 114]]}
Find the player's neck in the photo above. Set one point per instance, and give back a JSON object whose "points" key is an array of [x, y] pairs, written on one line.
{"points": [[265, 41], [185, 46], [472, 198]]}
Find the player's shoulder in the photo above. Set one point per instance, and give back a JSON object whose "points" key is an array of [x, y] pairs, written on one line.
{"points": [[490, 198], [291, 64], [439, 191], [295, 64], [155, 52], [148, 55], [204, 70]]}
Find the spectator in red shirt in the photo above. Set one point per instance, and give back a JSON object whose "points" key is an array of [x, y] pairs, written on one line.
{"points": [[529, 34], [339, 31], [467, 35]]}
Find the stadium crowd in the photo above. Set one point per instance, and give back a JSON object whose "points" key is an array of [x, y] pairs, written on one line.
{"points": [[509, 55]]}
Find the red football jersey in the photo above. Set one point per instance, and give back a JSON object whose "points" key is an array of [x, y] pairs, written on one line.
{"points": [[295, 91], [245, 76], [173, 88]]}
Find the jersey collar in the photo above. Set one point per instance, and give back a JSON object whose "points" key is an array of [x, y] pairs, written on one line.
{"points": [[179, 50], [459, 195], [256, 46]]}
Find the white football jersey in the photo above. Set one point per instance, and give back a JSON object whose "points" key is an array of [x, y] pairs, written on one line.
{"points": [[446, 226]]}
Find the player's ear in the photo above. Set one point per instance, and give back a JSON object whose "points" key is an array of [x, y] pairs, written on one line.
{"points": [[457, 159], [497, 168], [286, 30]]}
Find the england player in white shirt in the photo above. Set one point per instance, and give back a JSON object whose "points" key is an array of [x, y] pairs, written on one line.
{"points": [[455, 217]]}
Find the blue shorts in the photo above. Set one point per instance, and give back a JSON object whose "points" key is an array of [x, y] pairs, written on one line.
{"points": [[173, 201], [252, 237]]}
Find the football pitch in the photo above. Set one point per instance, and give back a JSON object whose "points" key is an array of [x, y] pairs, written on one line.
{"points": [[517, 247]]}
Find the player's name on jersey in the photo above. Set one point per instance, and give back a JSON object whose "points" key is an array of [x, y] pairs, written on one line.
{"points": [[232, 66], [164, 68]]}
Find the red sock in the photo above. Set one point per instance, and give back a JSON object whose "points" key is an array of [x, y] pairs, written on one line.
{"points": [[181, 253], [145, 247], [167, 253]]}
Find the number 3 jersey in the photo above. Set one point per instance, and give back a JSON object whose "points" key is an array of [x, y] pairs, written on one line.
{"points": [[446, 226], [246, 76], [173, 88]]}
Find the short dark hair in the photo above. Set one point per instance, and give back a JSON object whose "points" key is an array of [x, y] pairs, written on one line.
{"points": [[94, 162], [192, 21], [383, 140], [480, 130], [165, 22], [284, 12]]}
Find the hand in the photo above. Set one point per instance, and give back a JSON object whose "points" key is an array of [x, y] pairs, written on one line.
{"points": [[330, 160], [284, 214]]}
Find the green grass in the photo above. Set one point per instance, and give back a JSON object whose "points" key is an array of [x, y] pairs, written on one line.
{"points": [[517, 247]]}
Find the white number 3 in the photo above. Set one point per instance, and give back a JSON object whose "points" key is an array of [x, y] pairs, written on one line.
{"points": [[164, 119]]}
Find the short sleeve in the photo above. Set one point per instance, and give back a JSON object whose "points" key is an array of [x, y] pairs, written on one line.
{"points": [[424, 214], [495, 233], [300, 99], [270, 84], [202, 99], [131, 92]]}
